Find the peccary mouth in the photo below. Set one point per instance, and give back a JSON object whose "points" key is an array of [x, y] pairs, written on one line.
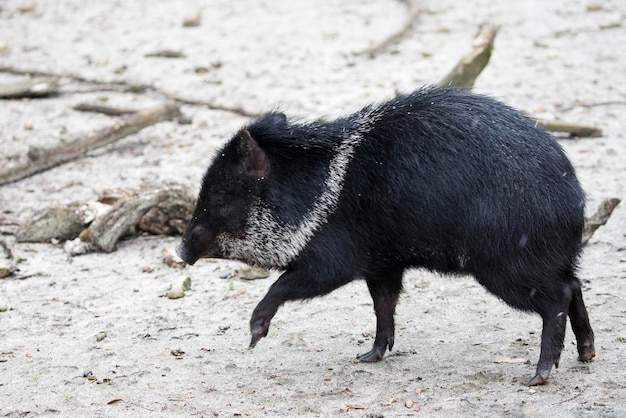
{"points": [[183, 252]]}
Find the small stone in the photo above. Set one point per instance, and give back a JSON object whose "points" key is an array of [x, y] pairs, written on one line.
{"points": [[5, 271], [611, 23], [192, 17], [252, 273], [594, 5], [179, 285], [183, 281], [3, 307], [101, 335], [185, 120], [176, 352], [175, 293], [26, 7]]}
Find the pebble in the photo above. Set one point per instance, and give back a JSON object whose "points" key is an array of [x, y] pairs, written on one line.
{"points": [[252, 273], [101, 335], [3, 307], [192, 17], [594, 5], [179, 285]]}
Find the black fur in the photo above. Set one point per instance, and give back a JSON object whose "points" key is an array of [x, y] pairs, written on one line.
{"points": [[441, 179]]}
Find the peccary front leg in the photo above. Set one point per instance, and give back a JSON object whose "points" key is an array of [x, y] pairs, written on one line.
{"points": [[385, 292], [291, 285]]}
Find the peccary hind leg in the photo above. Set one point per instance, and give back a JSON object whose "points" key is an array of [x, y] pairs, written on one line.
{"points": [[553, 334], [385, 291], [580, 325]]}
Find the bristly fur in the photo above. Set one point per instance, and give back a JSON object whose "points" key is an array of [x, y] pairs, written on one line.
{"points": [[273, 243], [439, 179]]}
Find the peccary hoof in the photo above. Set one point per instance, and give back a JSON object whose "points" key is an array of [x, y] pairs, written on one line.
{"points": [[540, 378]]}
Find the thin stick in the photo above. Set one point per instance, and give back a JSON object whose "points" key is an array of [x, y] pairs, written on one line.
{"points": [[413, 12], [573, 129], [471, 64], [107, 110], [599, 218]]}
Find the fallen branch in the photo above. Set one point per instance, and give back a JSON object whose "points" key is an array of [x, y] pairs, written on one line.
{"points": [[599, 218], [106, 230], [413, 12], [98, 226], [573, 129], [157, 210], [35, 87], [470, 66], [40, 159]]}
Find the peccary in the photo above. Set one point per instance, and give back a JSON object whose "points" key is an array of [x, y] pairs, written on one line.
{"points": [[450, 181]]}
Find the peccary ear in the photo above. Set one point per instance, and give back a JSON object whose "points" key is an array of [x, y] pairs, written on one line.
{"points": [[253, 157]]}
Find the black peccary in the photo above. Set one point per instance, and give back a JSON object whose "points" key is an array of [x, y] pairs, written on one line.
{"points": [[442, 179]]}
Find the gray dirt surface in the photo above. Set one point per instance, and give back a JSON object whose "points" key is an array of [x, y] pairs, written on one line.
{"points": [[93, 335]]}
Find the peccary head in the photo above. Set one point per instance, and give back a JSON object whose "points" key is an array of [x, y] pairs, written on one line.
{"points": [[235, 180]]}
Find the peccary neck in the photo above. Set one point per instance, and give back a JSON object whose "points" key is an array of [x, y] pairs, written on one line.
{"points": [[305, 192]]}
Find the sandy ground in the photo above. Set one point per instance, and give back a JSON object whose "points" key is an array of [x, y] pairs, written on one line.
{"points": [[93, 336]]}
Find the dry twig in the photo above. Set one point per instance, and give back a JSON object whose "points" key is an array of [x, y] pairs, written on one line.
{"points": [[413, 12], [107, 110], [470, 66], [599, 218], [573, 129]]}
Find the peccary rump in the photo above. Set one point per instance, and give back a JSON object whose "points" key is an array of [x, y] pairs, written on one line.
{"points": [[442, 179]]}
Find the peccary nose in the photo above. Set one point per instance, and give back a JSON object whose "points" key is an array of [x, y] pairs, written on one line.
{"points": [[184, 254]]}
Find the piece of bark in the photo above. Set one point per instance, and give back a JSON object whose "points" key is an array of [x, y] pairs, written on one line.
{"points": [[106, 230], [412, 13], [470, 66], [573, 129], [163, 210], [59, 222], [33, 88], [40, 159], [106, 110], [171, 215], [599, 218]]}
